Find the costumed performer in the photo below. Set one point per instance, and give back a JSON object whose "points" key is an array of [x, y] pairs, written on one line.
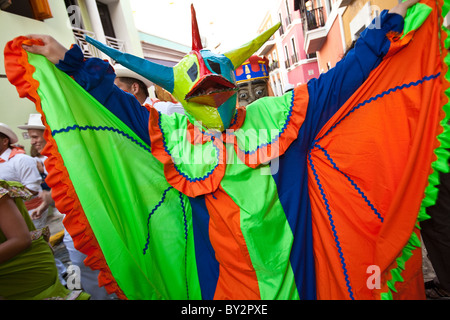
{"points": [[353, 150], [252, 79]]}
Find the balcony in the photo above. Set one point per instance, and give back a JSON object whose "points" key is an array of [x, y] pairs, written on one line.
{"points": [[115, 43], [89, 50], [274, 66], [267, 46], [314, 29]]}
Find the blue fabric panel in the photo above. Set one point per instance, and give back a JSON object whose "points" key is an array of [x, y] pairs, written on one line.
{"points": [[207, 265]]}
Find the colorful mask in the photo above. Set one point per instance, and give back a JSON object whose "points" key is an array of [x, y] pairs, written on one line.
{"points": [[203, 81], [252, 80]]}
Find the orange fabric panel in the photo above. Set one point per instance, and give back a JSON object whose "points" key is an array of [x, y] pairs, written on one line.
{"points": [[382, 141], [237, 277]]}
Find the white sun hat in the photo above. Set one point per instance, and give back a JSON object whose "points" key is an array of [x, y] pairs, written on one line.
{"points": [[34, 122], [121, 71], [6, 130]]}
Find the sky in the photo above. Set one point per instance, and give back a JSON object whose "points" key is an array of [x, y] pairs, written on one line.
{"points": [[230, 23]]}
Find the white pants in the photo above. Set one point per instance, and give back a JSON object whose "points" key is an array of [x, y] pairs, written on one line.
{"points": [[89, 277]]}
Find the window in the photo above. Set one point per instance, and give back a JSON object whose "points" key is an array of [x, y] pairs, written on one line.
{"points": [[281, 26], [34, 9], [105, 17], [294, 51], [288, 14], [286, 55]]}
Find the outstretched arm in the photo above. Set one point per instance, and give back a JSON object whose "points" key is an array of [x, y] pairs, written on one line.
{"points": [[330, 91], [97, 77], [402, 7]]}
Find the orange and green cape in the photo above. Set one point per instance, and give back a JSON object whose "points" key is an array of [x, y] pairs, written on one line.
{"points": [[280, 206]]}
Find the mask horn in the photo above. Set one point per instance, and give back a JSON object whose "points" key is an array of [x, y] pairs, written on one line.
{"points": [[196, 40], [160, 75], [239, 55]]}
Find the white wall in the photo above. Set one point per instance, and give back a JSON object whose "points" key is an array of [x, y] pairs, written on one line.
{"points": [[14, 111]]}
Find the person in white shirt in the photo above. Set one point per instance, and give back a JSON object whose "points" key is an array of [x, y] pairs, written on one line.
{"points": [[89, 281], [15, 165]]}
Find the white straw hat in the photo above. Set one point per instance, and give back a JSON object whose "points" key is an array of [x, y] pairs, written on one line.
{"points": [[121, 71], [34, 122], [6, 130]]}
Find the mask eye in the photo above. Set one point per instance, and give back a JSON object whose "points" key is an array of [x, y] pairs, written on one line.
{"points": [[214, 66], [193, 72]]}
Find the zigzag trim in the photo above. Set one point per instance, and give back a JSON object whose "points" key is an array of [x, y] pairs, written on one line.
{"points": [[264, 145], [355, 186], [186, 242], [178, 170], [333, 228], [150, 215], [376, 97], [101, 128]]}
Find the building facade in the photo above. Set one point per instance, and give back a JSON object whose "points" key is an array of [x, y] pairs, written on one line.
{"points": [[20, 19], [331, 26], [69, 21], [162, 51], [289, 64], [322, 29]]}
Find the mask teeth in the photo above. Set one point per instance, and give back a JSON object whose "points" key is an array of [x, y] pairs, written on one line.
{"points": [[196, 40]]}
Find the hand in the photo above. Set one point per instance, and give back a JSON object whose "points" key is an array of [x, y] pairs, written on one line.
{"points": [[46, 197], [402, 7], [52, 49]]}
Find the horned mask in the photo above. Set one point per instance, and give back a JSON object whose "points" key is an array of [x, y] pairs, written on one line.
{"points": [[202, 81]]}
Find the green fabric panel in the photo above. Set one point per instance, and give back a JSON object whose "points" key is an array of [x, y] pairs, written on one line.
{"points": [[259, 129], [416, 16], [264, 225], [123, 184], [194, 161]]}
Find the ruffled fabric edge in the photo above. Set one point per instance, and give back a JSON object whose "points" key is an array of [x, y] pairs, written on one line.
{"points": [[439, 165], [20, 73], [211, 181], [190, 187], [288, 133]]}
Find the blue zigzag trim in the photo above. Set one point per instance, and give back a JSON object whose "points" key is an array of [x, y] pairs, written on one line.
{"points": [[279, 134], [176, 167], [333, 228], [101, 128], [352, 183], [186, 240], [378, 96], [150, 215], [316, 177]]}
